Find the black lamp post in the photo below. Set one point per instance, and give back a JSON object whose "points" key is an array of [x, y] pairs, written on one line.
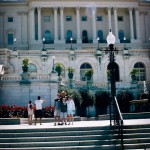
{"points": [[43, 44], [53, 68], [71, 39], [111, 41], [14, 44], [98, 39]]}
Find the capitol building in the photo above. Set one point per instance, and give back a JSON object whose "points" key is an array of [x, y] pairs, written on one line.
{"points": [[71, 33]]}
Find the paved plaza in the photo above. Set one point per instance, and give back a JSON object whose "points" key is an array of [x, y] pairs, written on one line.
{"points": [[76, 124]]}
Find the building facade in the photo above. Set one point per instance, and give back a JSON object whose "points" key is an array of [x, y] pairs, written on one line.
{"points": [[75, 33]]}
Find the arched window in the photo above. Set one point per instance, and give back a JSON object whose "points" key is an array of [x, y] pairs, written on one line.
{"points": [[32, 68], [84, 67], [84, 36], [141, 75], [47, 37], [100, 35], [121, 36], [68, 36], [116, 71]]}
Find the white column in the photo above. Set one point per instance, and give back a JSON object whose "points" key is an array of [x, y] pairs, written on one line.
{"points": [[3, 28], [116, 25], [78, 25], [94, 25], [137, 24], [62, 24], [131, 25], [55, 25], [19, 28], [109, 18], [32, 24], [24, 27], [39, 23]]}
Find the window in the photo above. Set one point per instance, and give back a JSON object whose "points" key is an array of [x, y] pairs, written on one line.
{"points": [[120, 18], [100, 35], [46, 18], [84, 67], [69, 35], [47, 36], [84, 18], [68, 18], [10, 38], [10, 19], [32, 68], [99, 18], [140, 76]]}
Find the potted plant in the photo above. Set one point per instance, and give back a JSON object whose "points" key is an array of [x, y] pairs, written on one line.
{"points": [[133, 74], [89, 74], [59, 68], [70, 72], [25, 63]]}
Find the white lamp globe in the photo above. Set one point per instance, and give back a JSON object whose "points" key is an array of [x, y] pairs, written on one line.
{"points": [[110, 38]]}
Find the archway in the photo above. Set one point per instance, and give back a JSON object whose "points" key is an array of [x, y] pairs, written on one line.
{"points": [[116, 71]]}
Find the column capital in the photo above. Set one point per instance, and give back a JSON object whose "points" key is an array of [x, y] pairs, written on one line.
{"points": [[115, 8], [130, 8], [31, 8], [55, 8], [25, 12], [77, 8], [61, 8], [109, 8], [39, 8]]}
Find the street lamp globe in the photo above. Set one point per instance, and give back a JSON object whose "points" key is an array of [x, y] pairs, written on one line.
{"points": [[15, 39], [124, 38], [98, 38], [110, 38]]}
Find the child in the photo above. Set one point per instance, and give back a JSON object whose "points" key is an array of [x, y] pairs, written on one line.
{"points": [[30, 112], [63, 112]]}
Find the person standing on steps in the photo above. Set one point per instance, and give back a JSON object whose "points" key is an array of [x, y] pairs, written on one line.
{"points": [[70, 109], [30, 112], [57, 109], [63, 112], [38, 109]]}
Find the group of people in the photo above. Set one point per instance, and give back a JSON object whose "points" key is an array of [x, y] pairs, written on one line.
{"points": [[64, 109]]}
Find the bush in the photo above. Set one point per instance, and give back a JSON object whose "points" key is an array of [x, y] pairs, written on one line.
{"points": [[123, 98], [21, 111]]}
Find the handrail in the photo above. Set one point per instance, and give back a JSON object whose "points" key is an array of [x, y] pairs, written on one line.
{"points": [[118, 121]]}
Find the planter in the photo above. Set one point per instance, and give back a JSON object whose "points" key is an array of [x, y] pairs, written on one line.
{"points": [[70, 75], [25, 68]]}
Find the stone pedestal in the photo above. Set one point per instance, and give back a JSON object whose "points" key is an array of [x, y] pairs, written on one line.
{"points": [[25, 78]]}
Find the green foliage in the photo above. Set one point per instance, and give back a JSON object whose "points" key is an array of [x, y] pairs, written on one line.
{"points": [[89, 73], [59, 68], [133, 72], [70, 70], [123, 99], [75, 96], [102, 98], [88, 98], [25, 62]]}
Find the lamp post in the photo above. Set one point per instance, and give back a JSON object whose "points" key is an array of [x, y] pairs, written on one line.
{"points": [[14, 44], [98, 39], [71, 39], [111, 41], [43, 44], [53, 68], [124, 40]]}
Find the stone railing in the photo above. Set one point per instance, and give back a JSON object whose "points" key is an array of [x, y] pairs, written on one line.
{"points": [[11, 78]]}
